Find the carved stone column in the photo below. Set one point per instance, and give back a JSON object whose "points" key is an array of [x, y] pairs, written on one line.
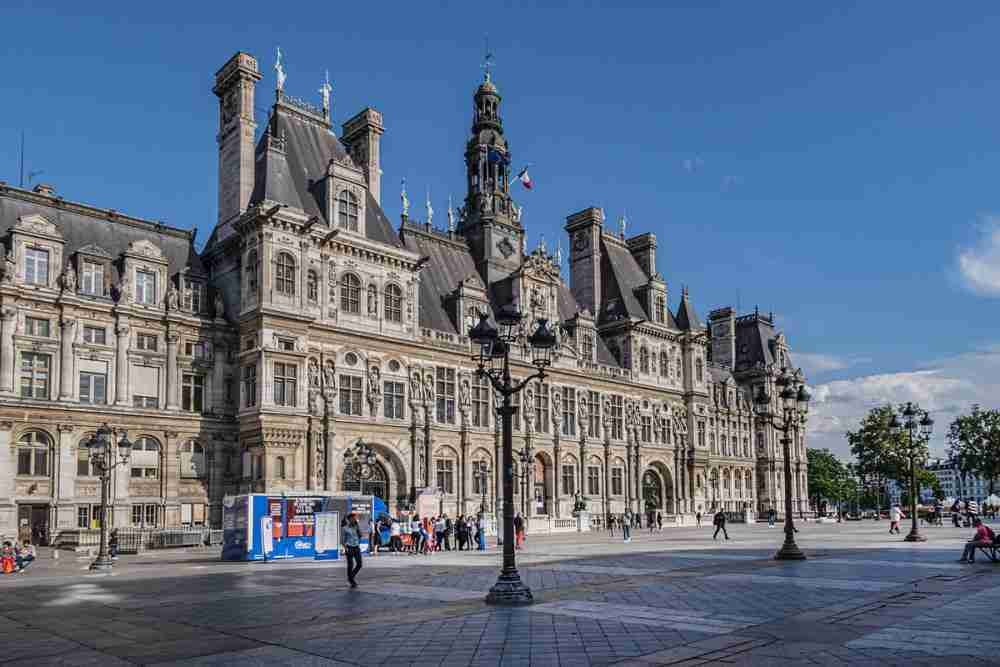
{"points": [[66, 384], [172, 380], [607, 480], [122, 397], [220, 358], [556, 476], [169, 474], [9, 315]]}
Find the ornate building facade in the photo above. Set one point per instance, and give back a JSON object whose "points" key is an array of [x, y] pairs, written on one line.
{"points": [[310, 320]]}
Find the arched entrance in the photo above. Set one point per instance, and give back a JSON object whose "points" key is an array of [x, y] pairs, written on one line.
{"points": [[376, 485], [540, 492], [657, 488]]}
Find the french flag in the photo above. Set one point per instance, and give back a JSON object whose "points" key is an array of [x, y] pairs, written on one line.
{"points": [[525, 179]]}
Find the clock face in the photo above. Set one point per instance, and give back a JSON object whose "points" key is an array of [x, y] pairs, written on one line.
{"points": [[581, 242]]}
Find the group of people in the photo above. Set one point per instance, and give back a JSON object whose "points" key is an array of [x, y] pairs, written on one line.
{"points": [[15, 557], [428, 534]]}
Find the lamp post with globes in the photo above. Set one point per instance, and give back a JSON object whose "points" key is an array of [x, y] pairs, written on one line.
{"points": [[493, 358], [482, 476], [105, 456], [523, 471], [910, 425], [793, 405]]}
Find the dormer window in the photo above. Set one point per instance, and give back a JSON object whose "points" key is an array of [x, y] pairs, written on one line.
{"points": [[36, 266], [145, 287], [92, 278], [658, 308], [347, 207], [587, 348], [284, 277], [193, 291]]}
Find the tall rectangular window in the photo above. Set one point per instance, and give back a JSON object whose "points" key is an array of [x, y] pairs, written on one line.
{"points": [[445, 395], [193, 392], [568, 479], [35, 375], [594, 414], [250, 385], [541, 407], [569, 411], [480, 478], [616, 481], [92, 279], [145, 287], [617, 417], [394, 399], [36, 266], [93, 388], [192, 296], [647, 429], [350, 395], [36, 326], [701, 434], [285, 380], [593, 480], [587, 348], [197, 349], [95, 335], [446, 475], [480, 402]]}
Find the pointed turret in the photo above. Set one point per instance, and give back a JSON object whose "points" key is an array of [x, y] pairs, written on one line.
{"points": [[687, 318]]}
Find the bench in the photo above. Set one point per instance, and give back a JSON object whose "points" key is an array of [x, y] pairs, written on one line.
{"points": [[991, 551]]}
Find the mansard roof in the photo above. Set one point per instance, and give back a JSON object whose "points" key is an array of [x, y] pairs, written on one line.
{"points": [[449, 263], [754, 336], [687, 317], [627, 276], [287, 176], [84, 227]]}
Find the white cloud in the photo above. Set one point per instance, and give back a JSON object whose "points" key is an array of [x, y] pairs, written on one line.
{"points": [[946, 388], [815, 363], [980, 264]]}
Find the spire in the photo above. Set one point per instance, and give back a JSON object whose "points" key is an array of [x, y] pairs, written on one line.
{"points": [[622, 224], [451, 216], [430, 210], [279, 73], [559, 255], [687, 318], [487, 62], [404, 199], [541, 245], [325, 91]]}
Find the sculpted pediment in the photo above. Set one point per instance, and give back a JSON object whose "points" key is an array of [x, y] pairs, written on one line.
{"points": [[145, 248], [95, 250], [36, 224]]}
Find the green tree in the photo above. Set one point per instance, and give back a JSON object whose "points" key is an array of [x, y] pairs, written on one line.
{"points": [[883, 455], [825, 474], [974, 443]]}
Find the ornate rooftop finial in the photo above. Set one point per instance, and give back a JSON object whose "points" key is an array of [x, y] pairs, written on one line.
{"points": [[280, 72], [488, 60], [559, 254], [541, 245], [622, 224], [684, 292], [325, 91], [451, 216], [405, 199], [430, 210]]}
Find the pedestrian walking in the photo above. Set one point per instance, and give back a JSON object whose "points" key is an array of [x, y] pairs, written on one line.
{"points": [[449, 529], [374, 539], [611, 524], [720, 524], [697, 518], [395, 537], [956, 513], [659, 520], [651, 521], [771, 514], [351, 539], [627, 525], [971, 509], [518, 531], [416, 536], [481, 531], [895, 515]]}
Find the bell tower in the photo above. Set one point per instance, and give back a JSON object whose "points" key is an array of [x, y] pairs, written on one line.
{"points": [[490, 220], [234, 85]]}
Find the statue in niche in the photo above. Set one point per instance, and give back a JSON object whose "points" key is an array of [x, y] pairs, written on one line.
{"points": [[582, 414], [9, 266], [415, 386], [329, 377], [219, 304], [173, 298], [465, 393], [375, 383], [69, 278], [429, 388], [372, 300], [313, 374]]}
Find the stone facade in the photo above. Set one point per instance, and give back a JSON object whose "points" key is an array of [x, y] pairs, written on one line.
{"points": [[310, 321]]}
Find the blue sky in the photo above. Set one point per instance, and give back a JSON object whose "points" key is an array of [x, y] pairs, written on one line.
{"points": [[835, 165]]}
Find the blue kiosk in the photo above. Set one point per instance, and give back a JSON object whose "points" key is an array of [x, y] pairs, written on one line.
{"points": [[263, 526]]}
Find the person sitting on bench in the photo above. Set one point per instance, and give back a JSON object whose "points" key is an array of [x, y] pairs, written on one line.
{"points": [[983, 538]]}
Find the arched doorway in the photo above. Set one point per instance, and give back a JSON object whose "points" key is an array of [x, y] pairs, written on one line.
{"points": [[658, 485], [376, 485], [541, 485], [652, 490]]}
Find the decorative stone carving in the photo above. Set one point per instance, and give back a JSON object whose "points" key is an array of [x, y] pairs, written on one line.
{"points": [[583, 415], [465, 394], [374, 385], [428, 388], [68, 278], [219, 305], [173, 298], [144, 248], [9, 267], [329, 377], [313, 374]]}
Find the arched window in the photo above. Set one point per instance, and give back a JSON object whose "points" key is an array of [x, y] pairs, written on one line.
{"points": [[284, 274], [664, 364], [347, 207], [312, 287], [393, 303], [350, 293], [251, 272], [145, 458], [699, 373], [33, 454], [644, 360], [279, 467], [192, 460]]}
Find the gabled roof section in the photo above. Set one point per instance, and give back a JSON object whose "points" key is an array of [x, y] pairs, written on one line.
{"points": [[449, 263], [687, 317], [626, 276], [753, 341], [83, 227]]}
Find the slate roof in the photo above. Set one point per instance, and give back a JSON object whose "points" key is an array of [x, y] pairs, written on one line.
{"points": [[81, 228], [753, 338], [448, 265], [687, 318]]}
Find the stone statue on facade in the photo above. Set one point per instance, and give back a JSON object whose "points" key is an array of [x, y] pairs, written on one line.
{"points": [[582, 415], [329, 377], [372, 300], [374, 384], [279, 72], [429, 388], [173, 298], [556, 411], [465, 393], [405, 200], [415, 385], [313, 374], [125, 290], [219, 305], [69, 278]]}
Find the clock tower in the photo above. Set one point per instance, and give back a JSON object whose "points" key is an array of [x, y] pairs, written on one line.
{"points": [[584, 229], [490, 220]]}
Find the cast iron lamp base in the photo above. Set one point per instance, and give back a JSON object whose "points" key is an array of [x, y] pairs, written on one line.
{"points": [[914, 536], [509, 591], [102, 564], [789, 551]]}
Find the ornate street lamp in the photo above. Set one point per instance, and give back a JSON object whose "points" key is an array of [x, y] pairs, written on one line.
{"points": [[105, 456], [361, 460], [792, 409], [911, 425], [492, 353], [482, 475], [523, 472]]}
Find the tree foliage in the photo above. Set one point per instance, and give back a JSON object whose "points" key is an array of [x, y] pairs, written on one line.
{"points": [[974, 443], [882, 455], [828, 477]]}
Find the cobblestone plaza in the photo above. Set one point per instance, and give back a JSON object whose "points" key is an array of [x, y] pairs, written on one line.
{"points": [[671, 597]]}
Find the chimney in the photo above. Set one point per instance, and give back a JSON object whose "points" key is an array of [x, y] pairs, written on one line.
{"points": [[722, 331], [643, 248], [44, 189], [584, 229], [234, 86], [362, 135]]}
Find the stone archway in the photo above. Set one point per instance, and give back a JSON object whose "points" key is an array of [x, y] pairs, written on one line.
{"points": [[389, 482], [658, 488], [540, 495]]}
